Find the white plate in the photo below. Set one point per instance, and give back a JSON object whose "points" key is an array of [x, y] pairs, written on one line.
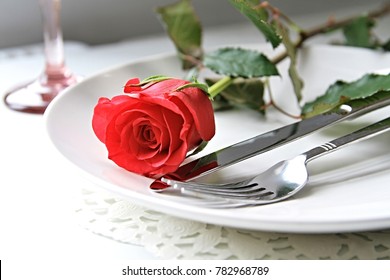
{"points": [[333, 202]]}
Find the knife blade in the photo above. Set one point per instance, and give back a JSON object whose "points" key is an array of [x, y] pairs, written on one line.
{"points": [[272, 139]]}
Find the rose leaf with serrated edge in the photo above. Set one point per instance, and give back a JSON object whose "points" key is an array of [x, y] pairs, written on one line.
{"points": [[237, 62], [259, 17], [184, 29], [341, 92], [358, 33]]}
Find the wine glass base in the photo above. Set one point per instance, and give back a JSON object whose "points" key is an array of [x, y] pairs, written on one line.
{"points": [[34, 97]]}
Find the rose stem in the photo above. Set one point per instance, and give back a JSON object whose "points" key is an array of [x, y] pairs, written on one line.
{"points": [[330, 25], [219, 86], [223, 83]]}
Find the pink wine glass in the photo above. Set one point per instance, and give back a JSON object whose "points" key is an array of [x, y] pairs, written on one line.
{"points": [[35, 96]]}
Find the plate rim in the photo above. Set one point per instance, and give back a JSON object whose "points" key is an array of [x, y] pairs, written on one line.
{"points": [[186, 210]]}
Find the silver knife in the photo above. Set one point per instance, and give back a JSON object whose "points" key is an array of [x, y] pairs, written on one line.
{"points": [[272, 139]]}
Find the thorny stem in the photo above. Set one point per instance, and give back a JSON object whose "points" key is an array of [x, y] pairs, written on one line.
{"points": [[277, 13], [275, 105], [328, 26], [304, 35], [192, 59]]}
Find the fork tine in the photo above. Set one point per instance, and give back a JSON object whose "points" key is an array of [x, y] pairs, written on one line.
{"points": [[239, 187], [226, 186], [211, 188], [261, 192], [248, 190], [213, 198], [250, 193]]}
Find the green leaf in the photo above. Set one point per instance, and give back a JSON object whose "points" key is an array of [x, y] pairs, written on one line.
{"points": [[236, 62], [386, 46], [184, 29], [292, 54], [243, 92], [259, 17], [341, 92], [358, 33]]}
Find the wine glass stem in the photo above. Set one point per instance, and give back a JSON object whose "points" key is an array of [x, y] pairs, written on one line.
{"points": [[53, 42], [36, 95]]}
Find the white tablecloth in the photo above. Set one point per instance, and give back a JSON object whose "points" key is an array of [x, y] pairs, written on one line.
{"points": [[45, 207]]}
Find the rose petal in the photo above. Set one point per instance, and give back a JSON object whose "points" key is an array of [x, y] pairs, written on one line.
{"points": [[132, 85], [202, 113], [150, 129], [101, 117], [175, 152], [132, 121], [107, 109]]}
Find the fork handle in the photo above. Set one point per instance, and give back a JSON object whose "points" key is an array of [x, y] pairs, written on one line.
{"points": [[354, 137]]}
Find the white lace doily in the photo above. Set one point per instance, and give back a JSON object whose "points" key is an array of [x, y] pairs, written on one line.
{"points": [[173, 238]]}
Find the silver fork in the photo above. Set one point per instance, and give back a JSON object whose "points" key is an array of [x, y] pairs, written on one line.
{"points": [[278, 183]]}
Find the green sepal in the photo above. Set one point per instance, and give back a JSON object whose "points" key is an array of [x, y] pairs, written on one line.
{"points": [[195, 84], [386, 46], [154, 79], [198, 149]]}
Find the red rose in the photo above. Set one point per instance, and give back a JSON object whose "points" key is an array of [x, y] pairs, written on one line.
{"points": [[150, 129]]}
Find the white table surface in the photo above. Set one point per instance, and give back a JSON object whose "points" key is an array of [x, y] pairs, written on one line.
{"points": [[36, 184]]}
